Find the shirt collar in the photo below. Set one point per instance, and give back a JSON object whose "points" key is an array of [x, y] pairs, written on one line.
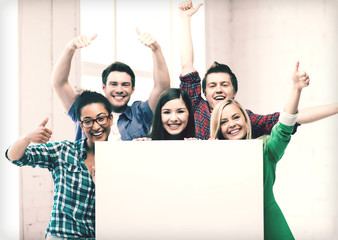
{"points": [[81, 146], [128, 113]]}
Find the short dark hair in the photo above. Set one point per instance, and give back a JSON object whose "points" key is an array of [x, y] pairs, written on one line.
{"points": [[158, 132], [87, 97], [118, 67], [220, 68]]}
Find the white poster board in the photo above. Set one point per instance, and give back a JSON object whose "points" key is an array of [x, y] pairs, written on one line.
{"points": [[179, 190]]}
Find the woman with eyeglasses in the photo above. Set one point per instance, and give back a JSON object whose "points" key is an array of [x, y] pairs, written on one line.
{"points": [[72, 166]]}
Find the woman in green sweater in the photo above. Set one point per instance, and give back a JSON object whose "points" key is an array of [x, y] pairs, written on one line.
{"points": [[230, 121]]}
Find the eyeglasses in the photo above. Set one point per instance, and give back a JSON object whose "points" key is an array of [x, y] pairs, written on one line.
{"points": [[102, 120]]}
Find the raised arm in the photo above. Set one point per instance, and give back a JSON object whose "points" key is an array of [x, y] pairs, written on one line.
{"points": [[312, 114], [281, 133], [40, 135], [300, 80], [160, 69], [61, 70], [186, 10]]}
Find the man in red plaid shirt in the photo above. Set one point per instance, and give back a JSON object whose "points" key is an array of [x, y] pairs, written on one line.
{"points": [[219, 84], [217, 87]]}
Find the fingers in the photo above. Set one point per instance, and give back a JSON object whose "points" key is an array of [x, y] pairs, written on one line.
{"points": [[47, 133], [142, 139], [190, 139], [198, 6], [42, 134], [138, 31], [186, 5], [301, 79], [297, 66], [83, 41], [147, 39], [93, 37], [304, 80], [44, 122]]}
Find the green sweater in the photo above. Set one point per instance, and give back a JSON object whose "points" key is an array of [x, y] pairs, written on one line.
{"points": [[274, 145]]}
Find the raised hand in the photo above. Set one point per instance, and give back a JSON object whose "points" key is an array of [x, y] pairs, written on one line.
{"points": [[41, 134], [300, 78], [81, 41], [186, 8], [148, 40]]}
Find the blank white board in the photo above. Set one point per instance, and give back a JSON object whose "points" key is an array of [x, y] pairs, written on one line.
{"points": [[179, 190]]}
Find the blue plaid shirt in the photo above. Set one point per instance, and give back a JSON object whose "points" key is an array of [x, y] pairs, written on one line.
{"points": [[73, 214]]}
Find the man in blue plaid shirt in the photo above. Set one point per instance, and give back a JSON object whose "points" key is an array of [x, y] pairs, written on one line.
{"points": [[72, 166]]}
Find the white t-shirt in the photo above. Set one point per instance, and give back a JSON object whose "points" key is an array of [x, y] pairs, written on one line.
{"points": [[114, 131]]}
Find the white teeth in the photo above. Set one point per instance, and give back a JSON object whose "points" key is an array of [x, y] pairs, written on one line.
{"points": [[97, 134], [173, 126], [219, 98], [234, 131]]}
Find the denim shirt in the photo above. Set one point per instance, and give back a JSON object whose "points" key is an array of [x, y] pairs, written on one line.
{"points": [[134, 122]]}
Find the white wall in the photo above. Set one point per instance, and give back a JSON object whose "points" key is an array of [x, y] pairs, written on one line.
{"points": [[261, 41], [44, 28]]}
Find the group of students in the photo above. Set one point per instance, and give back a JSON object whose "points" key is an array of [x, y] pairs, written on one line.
{"points": [[168, 114]]}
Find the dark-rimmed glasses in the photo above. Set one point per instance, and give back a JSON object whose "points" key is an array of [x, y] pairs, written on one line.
{"points": [[102, 120]]}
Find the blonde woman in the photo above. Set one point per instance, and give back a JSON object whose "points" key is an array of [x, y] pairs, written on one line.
{"points": [[230, 121]]}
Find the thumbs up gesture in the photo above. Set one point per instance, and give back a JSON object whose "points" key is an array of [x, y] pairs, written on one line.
{"points": [[81, 41], [300, 78], [186, 8], [148, 40], [41, 134]]}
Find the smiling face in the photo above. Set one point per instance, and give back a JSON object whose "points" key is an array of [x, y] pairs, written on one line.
{"points": [[233, 124], [174, 115], [118, 90], [218, 88], [97, 132]]}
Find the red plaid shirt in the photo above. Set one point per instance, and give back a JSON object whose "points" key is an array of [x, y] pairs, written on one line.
{"points": [[191, 83]]}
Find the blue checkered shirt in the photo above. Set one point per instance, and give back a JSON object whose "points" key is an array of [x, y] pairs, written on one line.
{"points": [[73, 214]]}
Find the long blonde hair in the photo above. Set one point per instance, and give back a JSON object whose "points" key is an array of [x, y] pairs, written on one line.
{"points": [[215, 122]]}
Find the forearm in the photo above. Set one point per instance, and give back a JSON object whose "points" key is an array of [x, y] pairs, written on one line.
{"points": [[62, 67], [161, 78], [186, 46], [17, 150], [291, 106], [312, 114], [160, 71], [59, 79]]}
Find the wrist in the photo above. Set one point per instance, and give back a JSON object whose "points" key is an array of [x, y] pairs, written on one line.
{"points": [[185, 19], [27, 138], [296, 88], [156, 49], [70, 47]]}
